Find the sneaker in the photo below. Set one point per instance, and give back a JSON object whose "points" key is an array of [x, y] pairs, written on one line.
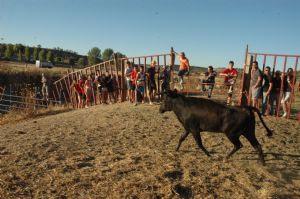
{"points": [[135, 104], [150, 103], [284, 115]]}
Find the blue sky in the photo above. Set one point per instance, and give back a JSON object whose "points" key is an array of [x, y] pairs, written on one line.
{"points": [[210, 32]]}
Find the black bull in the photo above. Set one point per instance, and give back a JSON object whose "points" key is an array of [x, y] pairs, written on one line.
{"points": [[198, 115]]}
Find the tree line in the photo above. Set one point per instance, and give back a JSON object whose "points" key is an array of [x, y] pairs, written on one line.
{"points": [[58, 56]]}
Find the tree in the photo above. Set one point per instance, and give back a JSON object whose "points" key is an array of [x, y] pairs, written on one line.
{"points": [[42, 56], [107, 53], [9, 51], [27, 54], [81, 61], [35, 54], [2, 50], [19, 56], [94, 56], [49, 56], [57, 60], [120, 55]]}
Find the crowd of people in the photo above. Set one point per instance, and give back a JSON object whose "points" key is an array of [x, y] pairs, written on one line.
{"points": [[102, 88], [105, 88], [264, 86]]}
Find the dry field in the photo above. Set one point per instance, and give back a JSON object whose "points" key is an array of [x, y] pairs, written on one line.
{"points": [[123, 151]]}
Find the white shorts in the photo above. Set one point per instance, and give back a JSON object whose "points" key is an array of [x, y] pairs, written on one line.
{"points": [[285, 97]]}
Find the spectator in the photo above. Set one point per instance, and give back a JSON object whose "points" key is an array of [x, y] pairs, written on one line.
{"points": [[287, 89], [184, 68], [209, 80], [140, 85], [110, 88], [98, 86], [165, 77], [104, 90], [82, 86], [128, 72], [45, 92], [88, 91], [78, 92], [230, 75], [275, 92], [267, 86], [255, 84], [151, 81], [133, 84]]}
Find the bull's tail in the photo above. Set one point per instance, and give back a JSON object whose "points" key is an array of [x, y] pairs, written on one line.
{"points": [[270, 133]]}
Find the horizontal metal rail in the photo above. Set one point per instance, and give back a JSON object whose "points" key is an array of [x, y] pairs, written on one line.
{"points": [[277, 55], [37, 99], [12, 101]]}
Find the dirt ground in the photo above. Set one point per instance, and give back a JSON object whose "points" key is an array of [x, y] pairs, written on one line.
{"points": [[123, 151]]}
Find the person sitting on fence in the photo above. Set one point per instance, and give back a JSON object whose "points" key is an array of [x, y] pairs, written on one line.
{"points": [[88, 91], [128, 72], [275, 92], [140, 85], [184, 68], [151, 81], [103, 88], [133, 84], [267, 87], [255, 84], [288, 85], [44, 87], [165, 77], [209, 80], [230, 75], [110, 88]]}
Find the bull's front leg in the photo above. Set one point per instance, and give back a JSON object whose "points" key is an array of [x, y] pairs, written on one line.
{"points": [[197, 138], [182, 138]]}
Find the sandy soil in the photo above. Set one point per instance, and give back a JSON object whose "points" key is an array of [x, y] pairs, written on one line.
{"points": [[122, 151]]}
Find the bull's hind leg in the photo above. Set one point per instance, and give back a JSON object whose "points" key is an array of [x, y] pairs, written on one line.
{"points": [[182, 138], [236, 142], [197, 137], [250, 136]]}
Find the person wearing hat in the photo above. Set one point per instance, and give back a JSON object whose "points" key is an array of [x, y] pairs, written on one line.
{"points": [[184, 68]]}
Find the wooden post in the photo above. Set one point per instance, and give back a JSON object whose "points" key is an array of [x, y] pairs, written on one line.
{"points": [[172, 62], [158, 72]]}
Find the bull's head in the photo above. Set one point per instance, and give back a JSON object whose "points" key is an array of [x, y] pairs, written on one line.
{"points": [[167, 101]]}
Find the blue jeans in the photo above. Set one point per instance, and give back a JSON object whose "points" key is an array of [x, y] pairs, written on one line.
{"points": [[274, 97], [265, 102]]}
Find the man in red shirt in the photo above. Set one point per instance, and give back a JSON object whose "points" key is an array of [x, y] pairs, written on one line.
{"points": [[230, 75], [133, 83]]}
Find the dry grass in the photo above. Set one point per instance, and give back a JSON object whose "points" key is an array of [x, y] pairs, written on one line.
{"points": [[123, 151], [15, 67], [17, 115]]}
